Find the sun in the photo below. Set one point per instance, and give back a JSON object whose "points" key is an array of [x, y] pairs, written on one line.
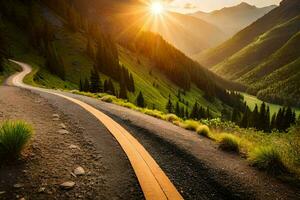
{"points": [[157, 8]]}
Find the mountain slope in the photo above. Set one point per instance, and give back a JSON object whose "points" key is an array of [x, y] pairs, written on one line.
{"points": [[287, 10], [189, 34], [155, 82], [268, 65], [233, 19], [260, 49]]}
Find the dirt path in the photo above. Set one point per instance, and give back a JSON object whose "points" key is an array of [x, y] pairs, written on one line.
{"points": [[50, 159]]}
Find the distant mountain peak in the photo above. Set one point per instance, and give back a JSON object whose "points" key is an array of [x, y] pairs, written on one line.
{"points": [[245, 4]]}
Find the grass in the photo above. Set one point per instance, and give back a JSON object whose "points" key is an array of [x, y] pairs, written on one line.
{"points": [[267, 158], [230, 143], [204, 131], [9, 69], [14, 136]]}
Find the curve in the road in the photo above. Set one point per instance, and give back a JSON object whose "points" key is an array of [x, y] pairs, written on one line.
{"points": [[154, 182]]}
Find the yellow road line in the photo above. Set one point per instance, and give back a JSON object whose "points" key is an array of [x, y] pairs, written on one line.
{"points": [[153, 181]]}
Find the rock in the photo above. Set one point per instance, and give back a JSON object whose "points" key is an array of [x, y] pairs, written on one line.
{"points": [[2, 192], [72, 146], [62, 131], [73, 175], [63, 126], [42, 189], [55, 115], [79, 171], [22, 198], [67, 185], [18, 185]]}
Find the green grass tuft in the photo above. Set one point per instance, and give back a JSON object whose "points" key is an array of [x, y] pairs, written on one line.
{"points": [[190, 125], [229, 142], [172, 118], [268, 159], [14, 136], [204, 131]]}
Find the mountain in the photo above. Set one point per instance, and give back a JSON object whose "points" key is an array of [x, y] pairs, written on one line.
{"points": [[264, 56], [189, 34], [67, 49], [233, 19]]}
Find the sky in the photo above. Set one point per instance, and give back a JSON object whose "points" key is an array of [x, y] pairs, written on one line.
{"points": [[210, 5]]}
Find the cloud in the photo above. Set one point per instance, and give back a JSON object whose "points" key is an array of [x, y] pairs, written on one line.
{"points": [[189, 6]]}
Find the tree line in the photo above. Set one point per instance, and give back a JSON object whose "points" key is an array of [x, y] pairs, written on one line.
{"points": [[39, 31], [260, 119]]}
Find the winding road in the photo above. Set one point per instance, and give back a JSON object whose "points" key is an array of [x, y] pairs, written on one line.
{"points": [[169, 162]]}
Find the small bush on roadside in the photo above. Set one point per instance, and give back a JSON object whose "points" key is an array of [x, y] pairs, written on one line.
{"points": [[14, 136], [107, 99], [268, 159], [230, 143], [172, 118], [190, 125], [204, 131]]}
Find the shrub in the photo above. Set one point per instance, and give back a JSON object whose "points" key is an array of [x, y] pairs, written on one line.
{"points": [[172, 118], [190, 125], [230, 143], [13, 138], [203, 130], [107, 99], [267, 158]]}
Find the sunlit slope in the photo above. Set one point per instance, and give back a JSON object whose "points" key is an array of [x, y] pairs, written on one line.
{"points": [[258, 51], [71, 46], [287, 10], [189, 34], [233, 19]]}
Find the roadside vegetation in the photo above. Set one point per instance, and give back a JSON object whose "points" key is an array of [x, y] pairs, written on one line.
{"points": [[274, 152], [14, 136]]}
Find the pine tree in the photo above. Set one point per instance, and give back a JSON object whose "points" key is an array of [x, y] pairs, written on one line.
{"points": [[123, 88], [195, 111], [208, 115], [131, 83], [80, 85], [255, 117], [262, 117], [140, 100], [235, 115], [279, 119], [105, 86], [111, 88], [246, 118], [86, 85], [187, 113], [95, 81], [169, 106], [267, 121], [181, 112], [273, 122], [177, 109]]}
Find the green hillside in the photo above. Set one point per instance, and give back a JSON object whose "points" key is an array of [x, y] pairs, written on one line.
{"points": [[267, 62], [71, 46], [287, 10], [259, 50]]}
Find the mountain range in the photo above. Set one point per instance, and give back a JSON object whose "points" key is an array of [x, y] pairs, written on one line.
{"points": [[233, 19], [189, 34], [264, 56]]}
